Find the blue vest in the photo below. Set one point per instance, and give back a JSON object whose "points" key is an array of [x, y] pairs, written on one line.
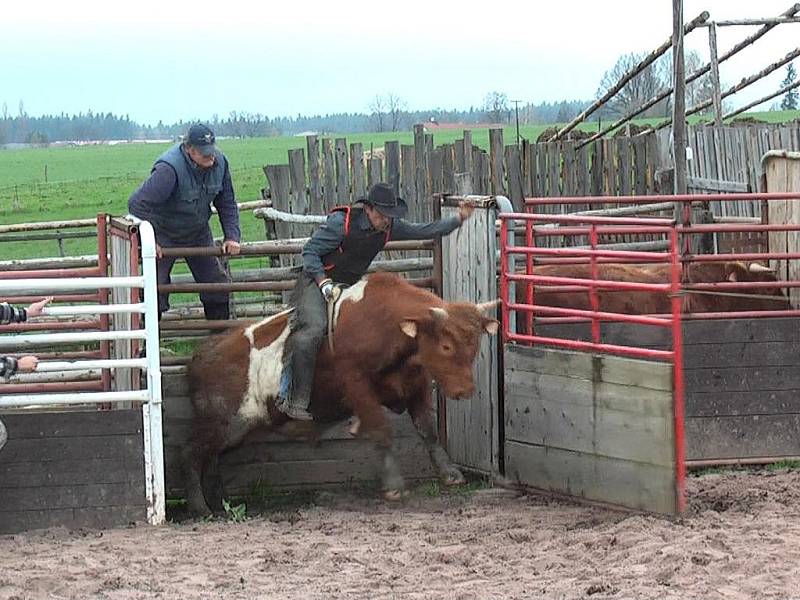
{"points": [[186, 213]]}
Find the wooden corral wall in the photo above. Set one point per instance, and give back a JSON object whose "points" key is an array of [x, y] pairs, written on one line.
{"points": [[318, 178], [267, 460], [742, 393], [782, 174], [728, 159], [330, 172], [596, 427], [72, 469]]}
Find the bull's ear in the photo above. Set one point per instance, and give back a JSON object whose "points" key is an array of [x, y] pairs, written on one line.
{"points": [[491, 326], [439, 314], [409, 327]]}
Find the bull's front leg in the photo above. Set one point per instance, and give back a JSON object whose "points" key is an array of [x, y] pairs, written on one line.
{"points": [[195, 458], [366, 406], [422, 417]]}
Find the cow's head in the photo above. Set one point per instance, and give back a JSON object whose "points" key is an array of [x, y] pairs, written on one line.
{"points": [[447, 340], [741, 272]]}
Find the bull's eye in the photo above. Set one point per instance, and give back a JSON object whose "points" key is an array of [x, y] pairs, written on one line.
{"points": [[447, 348]]}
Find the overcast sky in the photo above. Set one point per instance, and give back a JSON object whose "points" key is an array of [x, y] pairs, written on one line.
{"points": [[175, 60]]}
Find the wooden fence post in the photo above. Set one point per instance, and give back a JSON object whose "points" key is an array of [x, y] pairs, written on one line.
{"points": [[468, 262], [315, 203], [497, 177]]}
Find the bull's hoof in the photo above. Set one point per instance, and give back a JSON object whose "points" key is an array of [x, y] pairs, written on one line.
{"points": [[395, 495], [200, 512], [197, 505], [453, 477]]}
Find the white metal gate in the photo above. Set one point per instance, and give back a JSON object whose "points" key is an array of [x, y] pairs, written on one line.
{"points": [[150, 397]]}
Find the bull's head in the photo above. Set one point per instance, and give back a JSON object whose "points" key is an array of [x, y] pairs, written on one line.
{"points": [[447, 340]]}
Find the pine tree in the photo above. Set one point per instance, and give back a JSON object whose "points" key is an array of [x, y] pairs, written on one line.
{"points": [[790, 98]]}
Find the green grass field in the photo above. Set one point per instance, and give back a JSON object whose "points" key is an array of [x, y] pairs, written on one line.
{"points": [[82, 181], [47, 184]]}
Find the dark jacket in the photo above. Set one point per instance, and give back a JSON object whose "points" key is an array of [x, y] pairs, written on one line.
{"points": [[343, 247], [177, 197], [9, 314]]}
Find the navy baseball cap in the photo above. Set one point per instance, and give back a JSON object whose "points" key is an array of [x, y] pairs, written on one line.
{"points": [[201, 137]]}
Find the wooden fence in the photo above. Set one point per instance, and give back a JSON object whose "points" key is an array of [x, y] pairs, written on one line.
{"points": [[330, 172]]}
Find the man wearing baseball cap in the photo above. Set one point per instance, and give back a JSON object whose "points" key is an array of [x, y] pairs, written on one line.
{"points": [[340, 252], [177, 197]]}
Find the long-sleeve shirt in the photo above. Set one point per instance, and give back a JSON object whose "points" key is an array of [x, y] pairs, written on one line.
{"points": [[10, 314], [331, 234], [157, 190]]}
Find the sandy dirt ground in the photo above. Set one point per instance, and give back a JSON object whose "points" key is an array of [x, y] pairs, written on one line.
{"points": [[740, 538]]}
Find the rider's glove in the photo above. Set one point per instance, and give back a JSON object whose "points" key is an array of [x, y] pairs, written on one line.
{"points": [[327, 288]]}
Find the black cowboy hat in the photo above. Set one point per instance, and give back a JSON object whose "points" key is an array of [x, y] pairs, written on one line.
{"points": [[381, 196]]}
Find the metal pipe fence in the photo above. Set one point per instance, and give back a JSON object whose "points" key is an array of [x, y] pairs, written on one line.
{"points": [[73, 393]]}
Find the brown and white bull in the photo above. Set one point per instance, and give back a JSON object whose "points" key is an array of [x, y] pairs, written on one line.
{"points": [[643, 302], [391, 340]]}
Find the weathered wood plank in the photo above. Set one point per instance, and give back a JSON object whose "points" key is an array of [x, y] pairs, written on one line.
{"points": [[554, 168], [436, 170], [515, 177], [542, 171], [392, 155], [71, 468], [374, 171], [328, 175], [73, 496], [559, 423], [742, 379], [52, 425], [568, 174], [468, 152], [299, 193], [97, 517], [496, 156], [278, 177], [582, 176], [528, 168], [342, 172], [624, 154], [592, 477], [458, 155], [419, 206], [408, 185], [357, 171], [726, 403], [315, 202], [742, 437], [582, 365], [473, 424], [449, 168], [597, 168]]}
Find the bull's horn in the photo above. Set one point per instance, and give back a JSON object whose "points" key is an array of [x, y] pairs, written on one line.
{"points": [[759, 268], [439, 314], [487, 306]]}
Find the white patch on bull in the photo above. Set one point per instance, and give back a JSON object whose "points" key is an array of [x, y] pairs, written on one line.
{"points": [[354, 294], [264, 372]]}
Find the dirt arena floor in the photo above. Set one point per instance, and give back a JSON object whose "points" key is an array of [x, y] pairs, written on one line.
{"points": [[740, 538]]}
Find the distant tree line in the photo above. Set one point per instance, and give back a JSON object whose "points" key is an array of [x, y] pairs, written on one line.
{"points": [[385, 113]]}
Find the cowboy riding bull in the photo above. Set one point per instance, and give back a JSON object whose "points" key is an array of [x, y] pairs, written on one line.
{"points": [[391, 339]]}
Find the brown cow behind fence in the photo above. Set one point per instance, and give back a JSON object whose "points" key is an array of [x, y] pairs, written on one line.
{"points": [[642, 302]]}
